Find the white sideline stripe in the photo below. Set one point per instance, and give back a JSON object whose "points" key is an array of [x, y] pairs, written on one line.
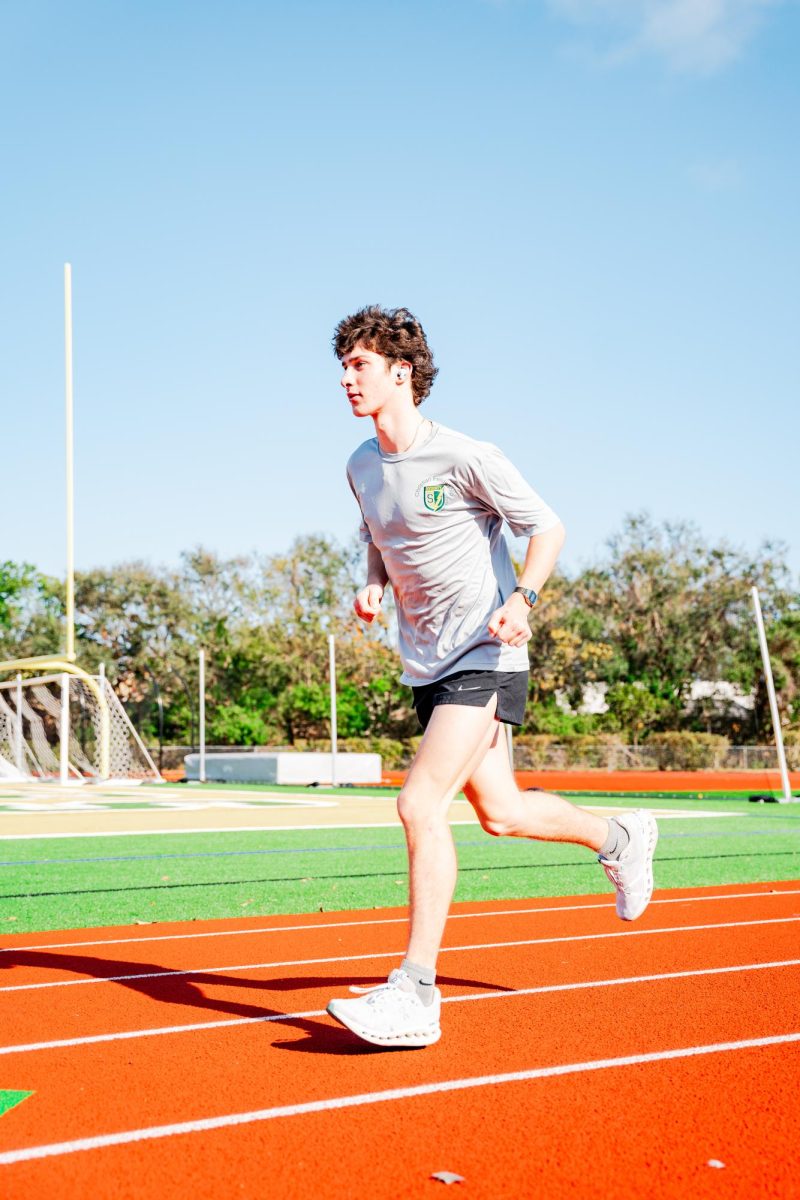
{"points": [[64, 1043], [206, 1124], [173, 829], [316, 928], [309, 962], [25, 837]]}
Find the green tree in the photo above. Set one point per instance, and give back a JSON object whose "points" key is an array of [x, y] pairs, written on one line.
{"points": [[673, 609], [15, 582]]}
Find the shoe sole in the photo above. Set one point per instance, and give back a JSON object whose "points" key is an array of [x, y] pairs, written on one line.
{"points": [[652, 842], [403, 1041]]}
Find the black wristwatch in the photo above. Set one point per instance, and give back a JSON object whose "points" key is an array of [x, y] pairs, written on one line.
{"points": [[530, 595]]}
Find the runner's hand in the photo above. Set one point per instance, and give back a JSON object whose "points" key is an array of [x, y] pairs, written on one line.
{"points": [[367, 603], [509, 623]]}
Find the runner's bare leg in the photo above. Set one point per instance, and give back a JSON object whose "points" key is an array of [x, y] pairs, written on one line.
{"points": [[505, 811], [466, 748], [456, 740]]}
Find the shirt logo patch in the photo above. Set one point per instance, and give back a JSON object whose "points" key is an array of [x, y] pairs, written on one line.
{"points": [[433, 496]]}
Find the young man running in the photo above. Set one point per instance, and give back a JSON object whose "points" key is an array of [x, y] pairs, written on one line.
{"points": [[433, 503]]}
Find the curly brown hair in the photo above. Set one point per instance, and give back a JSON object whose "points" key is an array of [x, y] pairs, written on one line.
{"points": [[397, 335]]}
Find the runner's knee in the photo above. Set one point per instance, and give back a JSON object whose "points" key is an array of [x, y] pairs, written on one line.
{"points": [[499, 825], [417, 810]]}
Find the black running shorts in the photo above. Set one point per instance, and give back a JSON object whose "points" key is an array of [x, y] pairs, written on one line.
{"points": [[474, 689]]}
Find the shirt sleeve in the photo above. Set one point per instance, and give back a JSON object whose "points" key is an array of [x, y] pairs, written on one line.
{"points": [[363, 529], [500, 488]]}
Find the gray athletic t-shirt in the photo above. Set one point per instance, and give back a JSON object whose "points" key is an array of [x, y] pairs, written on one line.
{"points": [[435, 513]]}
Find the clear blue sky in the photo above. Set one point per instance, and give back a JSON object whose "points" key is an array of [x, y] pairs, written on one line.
{"points": [[592, 206]]}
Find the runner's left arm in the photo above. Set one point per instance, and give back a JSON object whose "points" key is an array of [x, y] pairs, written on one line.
{"points": [[502, 489], [509, 623]]}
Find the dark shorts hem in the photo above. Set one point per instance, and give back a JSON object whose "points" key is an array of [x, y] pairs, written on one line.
{"points": [[474, 689]]}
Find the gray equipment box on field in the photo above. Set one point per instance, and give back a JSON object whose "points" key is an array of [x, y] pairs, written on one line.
{"points": [[285, 767]]}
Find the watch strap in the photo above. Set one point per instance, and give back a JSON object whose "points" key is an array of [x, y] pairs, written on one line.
{"points": [[530, 595]]}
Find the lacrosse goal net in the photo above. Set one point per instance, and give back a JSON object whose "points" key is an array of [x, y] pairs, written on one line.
{"points": [[71, 729]]}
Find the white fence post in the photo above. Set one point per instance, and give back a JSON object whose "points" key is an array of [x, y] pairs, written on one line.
{"points": [[18, 728], [773, 702], [63, 733], [202, 717], [334, 739]]}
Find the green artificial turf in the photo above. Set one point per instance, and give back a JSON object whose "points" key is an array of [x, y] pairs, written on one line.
{"points": [[10, 1099], [94, 881]]}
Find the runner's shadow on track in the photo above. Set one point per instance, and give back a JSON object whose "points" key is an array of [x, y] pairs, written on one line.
{"points": [[159, 983], [166, 986]]}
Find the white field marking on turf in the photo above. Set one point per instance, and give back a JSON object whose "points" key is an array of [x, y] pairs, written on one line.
{"points": [[394, 823], [172, 830], [179, 796], [308, 962], [205, 1125], [160, 795], [175, 829], [199, 1027], [78, 808], [509, 912], [82, 807]]}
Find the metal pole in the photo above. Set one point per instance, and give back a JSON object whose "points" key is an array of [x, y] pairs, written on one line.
{"points": [[18, 730], [202, 716], [70, 474], [160, 707], [510, 740], [63, 733], [101, 683], [332, 663], [773, 702]]}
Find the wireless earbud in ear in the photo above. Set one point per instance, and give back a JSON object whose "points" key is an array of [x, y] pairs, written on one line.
{"points": [[402, 372]]}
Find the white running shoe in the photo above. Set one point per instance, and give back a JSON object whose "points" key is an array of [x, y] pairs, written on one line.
{"points": [[391, 1014], [632, 873]]}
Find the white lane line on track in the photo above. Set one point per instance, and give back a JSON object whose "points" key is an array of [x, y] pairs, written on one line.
{"points": [[316, 928], [543, 989], [308, 962], [339, 1102]]}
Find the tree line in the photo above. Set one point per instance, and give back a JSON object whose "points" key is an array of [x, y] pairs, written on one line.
{"points": [[661, 609]]}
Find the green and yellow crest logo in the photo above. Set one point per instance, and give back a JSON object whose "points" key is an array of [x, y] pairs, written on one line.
{"points": [[433, 496]]}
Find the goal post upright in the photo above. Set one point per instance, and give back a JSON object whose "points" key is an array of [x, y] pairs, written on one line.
{"points": [[64, 663], [70, 467]]}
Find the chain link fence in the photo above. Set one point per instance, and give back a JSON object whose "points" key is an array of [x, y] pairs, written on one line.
{"points": [[660, 757]]}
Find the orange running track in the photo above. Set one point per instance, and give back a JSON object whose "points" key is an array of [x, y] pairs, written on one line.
{"points": [[592, 780], [580, 1057]]}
